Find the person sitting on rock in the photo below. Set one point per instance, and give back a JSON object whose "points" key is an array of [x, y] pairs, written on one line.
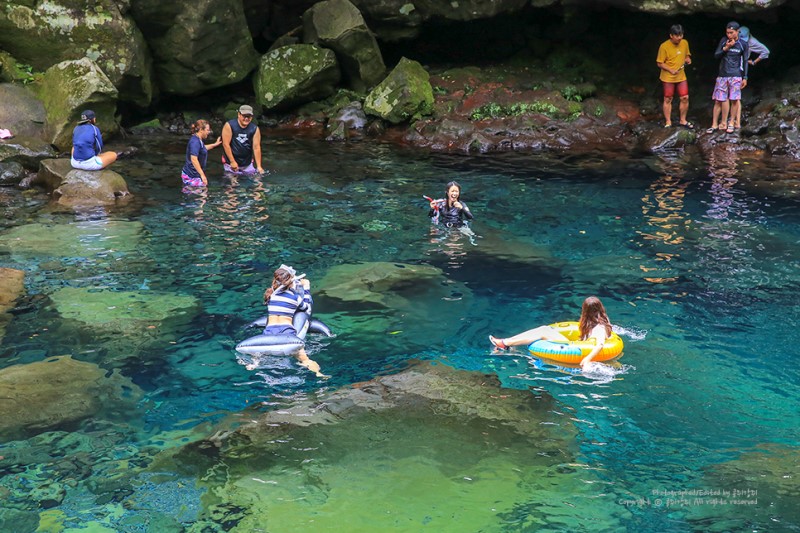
{"points": [[87, 145]]}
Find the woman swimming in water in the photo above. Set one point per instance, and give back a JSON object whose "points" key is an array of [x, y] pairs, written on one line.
{"points": [[283, 298], [450, 210]]}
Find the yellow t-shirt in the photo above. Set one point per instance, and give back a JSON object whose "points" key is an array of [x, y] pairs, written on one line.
{"points": [[673, 56]]}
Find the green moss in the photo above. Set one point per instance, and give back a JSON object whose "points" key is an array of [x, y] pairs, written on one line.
{"points": [[495, 110]]}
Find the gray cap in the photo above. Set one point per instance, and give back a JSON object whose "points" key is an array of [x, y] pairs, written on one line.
{"points": [[246, 110]]}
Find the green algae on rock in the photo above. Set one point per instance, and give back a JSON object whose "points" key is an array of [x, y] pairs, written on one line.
{"points": [[70, 87], [57, 392], [123, 310], [79, 239], [295, 74], [405, 94]]}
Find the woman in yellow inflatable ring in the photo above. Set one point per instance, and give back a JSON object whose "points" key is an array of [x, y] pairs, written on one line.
{"points": [[593, 325]]}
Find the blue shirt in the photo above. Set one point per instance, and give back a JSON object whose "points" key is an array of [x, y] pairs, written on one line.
{"points": [[87, 142], [288, 302], [733, 63], [196, 148]]}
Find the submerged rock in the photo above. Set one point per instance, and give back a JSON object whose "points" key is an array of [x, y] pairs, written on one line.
{"points": [[82, 188], [58, 392], [406, 93], [12, 286], [83, 239], [418, 448], [377, 282], [70, 87], [338, 25], [123, 311], [295, 74]]}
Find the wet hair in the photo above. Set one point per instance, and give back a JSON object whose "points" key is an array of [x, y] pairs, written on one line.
{"points": [[282, 279], [447, 192], [592, 314], [198, 125], [676, 29]]}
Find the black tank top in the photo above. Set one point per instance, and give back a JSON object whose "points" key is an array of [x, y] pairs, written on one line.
{"points": [[241, 142]]}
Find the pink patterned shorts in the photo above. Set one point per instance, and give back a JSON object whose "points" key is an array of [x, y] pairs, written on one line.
{"points": [[727, 89]]}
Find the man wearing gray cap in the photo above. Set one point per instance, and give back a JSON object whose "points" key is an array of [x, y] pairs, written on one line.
{"points": [[241, 143]]}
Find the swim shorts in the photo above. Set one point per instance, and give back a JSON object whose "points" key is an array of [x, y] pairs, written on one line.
{"points": [[192, 182], [669, 88], [280, 329], [93, 163], [727, 89], [249, 169]]}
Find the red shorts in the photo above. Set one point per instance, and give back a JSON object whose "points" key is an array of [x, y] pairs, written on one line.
{"points": [[669, 88]]}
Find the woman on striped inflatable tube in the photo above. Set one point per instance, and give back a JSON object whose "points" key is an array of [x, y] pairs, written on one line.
{"points": [[594, 324]]}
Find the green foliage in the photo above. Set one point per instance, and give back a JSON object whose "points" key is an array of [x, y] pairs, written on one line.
{"points": [[439, 90], [574, 110], [570, 92], [495, 110], [469, 89], [599, 110]]}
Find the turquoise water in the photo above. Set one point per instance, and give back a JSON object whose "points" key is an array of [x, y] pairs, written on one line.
{"points": [[696, 262]]}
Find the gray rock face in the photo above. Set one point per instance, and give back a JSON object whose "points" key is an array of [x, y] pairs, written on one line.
{"points": [[70, 87], [43, 33], [27, 151], [11, 173], [296, 74], [21, 112], [338, 25], [198, 45], [81, 188]]}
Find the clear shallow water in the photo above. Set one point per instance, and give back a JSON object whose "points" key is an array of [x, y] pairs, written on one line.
{"points": [[696, 264]]}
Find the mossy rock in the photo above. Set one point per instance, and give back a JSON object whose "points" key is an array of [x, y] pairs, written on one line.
{"points": [[70, 87], [58, 393], [405, 94], [125, 311], [21, 111], [82, 239], [295, 74], [43, 34]]}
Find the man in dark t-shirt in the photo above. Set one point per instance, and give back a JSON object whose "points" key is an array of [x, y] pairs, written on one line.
{"points": [[241, 143]]}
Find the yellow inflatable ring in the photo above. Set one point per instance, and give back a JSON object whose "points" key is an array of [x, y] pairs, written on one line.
{"points": [[573, 351]]}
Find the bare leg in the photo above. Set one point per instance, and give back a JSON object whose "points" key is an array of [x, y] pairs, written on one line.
{"points": [[736, 112], [107, 158], [527, 337], [667, 106], [683, 108], [715, 115], [310, 364], [726, 107]]}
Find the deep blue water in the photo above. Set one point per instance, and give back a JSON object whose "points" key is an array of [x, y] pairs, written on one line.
{"points": [[696, 262]]}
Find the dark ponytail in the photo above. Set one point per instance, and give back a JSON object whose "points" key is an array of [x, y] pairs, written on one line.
{"points": [[281, 279], [198, 125]]}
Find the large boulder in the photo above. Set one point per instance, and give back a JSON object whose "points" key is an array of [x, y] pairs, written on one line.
{"points": [[81, 188], [70, 87], [20, 110], [12, 286], [338, 25], [197, 45], [404, 94], [45, 32], [296, 74], [58, 393], [27, 151]]}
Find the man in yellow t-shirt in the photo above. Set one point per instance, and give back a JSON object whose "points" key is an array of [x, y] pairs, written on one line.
{"points": [[673, 56]]}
